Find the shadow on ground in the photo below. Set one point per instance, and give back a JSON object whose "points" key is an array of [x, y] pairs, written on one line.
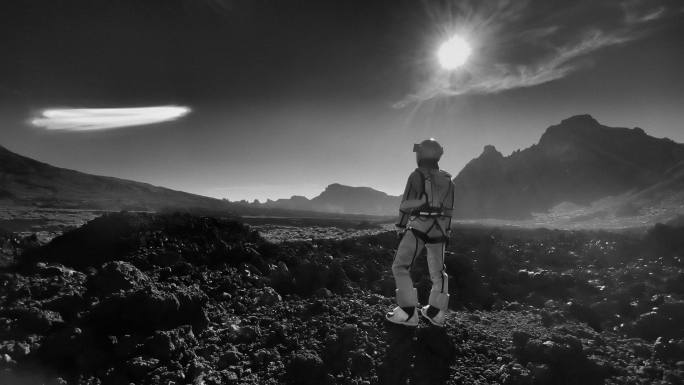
{"points": [[418, 356]]}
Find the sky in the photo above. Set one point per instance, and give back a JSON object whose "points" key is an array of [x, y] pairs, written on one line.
{"points": [[245, 99]]}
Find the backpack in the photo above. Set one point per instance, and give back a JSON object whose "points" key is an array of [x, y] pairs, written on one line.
{"points": [[438, 189]]}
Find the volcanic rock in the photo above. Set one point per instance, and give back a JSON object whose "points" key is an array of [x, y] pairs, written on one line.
{"points": [[138, 367], [229, 358], [267, 297], [146, 309], [305, 368], [559, 359], [361, 364], [117, 276], [33, 319]]}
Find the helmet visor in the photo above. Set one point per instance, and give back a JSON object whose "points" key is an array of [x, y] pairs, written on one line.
{"points": [[416, 147]]}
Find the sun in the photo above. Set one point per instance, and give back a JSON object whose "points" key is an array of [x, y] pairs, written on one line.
{"points": [[453, 53]]}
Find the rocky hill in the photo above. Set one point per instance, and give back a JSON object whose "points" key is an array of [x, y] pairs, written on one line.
{"points": [[578, 161], [28, 182]]}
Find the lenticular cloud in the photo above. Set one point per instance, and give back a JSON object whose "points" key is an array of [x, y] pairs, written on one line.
{"points": [[93, 119]]}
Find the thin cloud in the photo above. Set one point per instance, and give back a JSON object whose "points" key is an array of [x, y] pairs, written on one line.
{"points": [[525, 43], [94, 119], [656, 14]]}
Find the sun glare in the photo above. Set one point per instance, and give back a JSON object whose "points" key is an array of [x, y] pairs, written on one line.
{"points": [[453, 53]]}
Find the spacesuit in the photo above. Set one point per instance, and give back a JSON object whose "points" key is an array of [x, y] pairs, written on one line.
{"points": [[425, 221]]}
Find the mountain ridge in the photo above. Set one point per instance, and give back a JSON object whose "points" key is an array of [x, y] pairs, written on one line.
{"points": [[27, 181], [340, 199], [577, 164], [578, 160]]}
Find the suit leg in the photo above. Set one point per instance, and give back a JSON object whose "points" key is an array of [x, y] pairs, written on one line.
{"points": [[408, 250], [439, 295]]}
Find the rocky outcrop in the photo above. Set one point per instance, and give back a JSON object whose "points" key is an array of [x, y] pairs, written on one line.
{"points": [[577, 161]]}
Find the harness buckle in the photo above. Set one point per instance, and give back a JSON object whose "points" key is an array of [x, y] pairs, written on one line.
{"points": [[431, 213]]}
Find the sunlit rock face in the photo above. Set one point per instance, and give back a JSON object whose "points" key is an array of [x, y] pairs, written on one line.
{"points": [[578, 161]]}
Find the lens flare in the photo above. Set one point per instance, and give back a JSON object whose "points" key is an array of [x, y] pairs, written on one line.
{"points": [[453, 53], [93, 119]]}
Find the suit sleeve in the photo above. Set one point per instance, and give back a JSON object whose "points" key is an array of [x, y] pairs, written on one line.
{"points": [[453, 203], [410, 199]]}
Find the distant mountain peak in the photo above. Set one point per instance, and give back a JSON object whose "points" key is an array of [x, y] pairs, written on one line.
{"points": [[574, 128], [337, 188], [490, 151], [581, 120], [339, 198]]}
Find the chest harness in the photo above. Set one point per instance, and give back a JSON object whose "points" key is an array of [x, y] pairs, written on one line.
{"points": [[438, 205]]}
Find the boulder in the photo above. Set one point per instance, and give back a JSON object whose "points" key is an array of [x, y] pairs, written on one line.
{"points": [[35, 320], [68, 303], [138, 367], [560, 359], [243, 334], [229, 358], [117, 276], [142, 310], [267, 297], [305, 368], [167, 344]]}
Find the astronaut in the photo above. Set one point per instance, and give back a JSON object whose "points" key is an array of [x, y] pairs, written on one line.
{"points": [[424, 222]]}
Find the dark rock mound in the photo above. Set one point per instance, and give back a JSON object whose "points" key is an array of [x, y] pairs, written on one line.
{"points": [[201, 240], [150, 309]]}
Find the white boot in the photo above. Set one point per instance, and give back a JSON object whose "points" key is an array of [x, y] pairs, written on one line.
{"points": [[437, 320], [399, 316]]}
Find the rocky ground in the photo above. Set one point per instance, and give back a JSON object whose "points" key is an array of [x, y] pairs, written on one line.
{"points": [[160, 299], [43, 223], [287, 233]]}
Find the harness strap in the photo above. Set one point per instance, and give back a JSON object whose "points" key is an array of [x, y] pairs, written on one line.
{"points": [[426, 239], [431, 214]]}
